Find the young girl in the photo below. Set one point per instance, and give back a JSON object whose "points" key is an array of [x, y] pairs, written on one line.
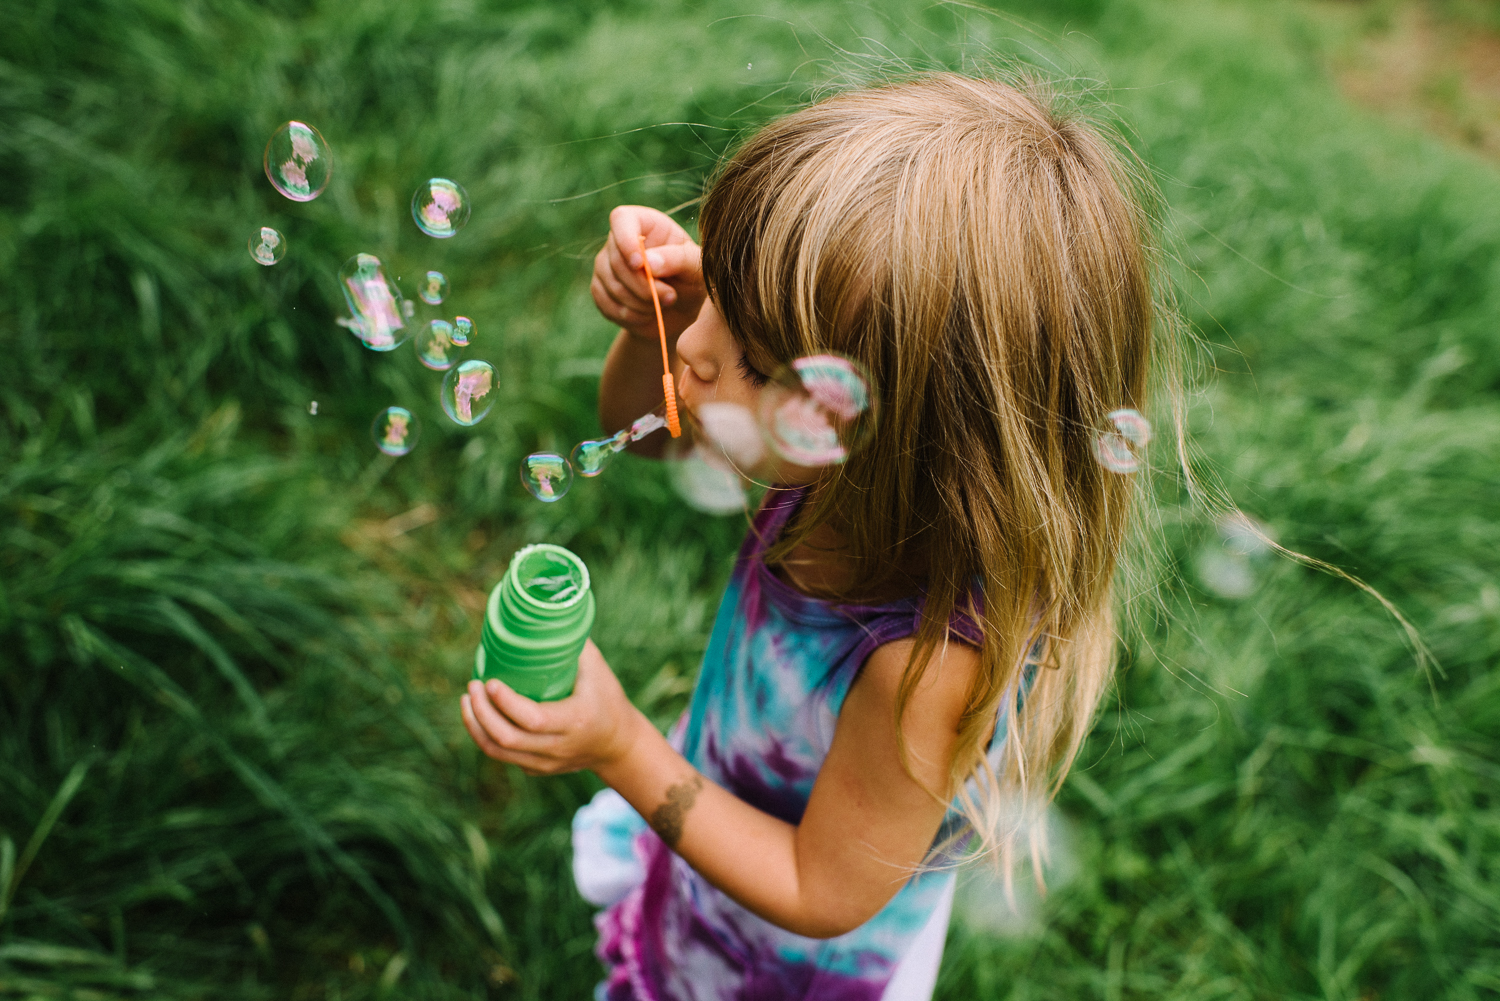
{"points": [[983, 257]]}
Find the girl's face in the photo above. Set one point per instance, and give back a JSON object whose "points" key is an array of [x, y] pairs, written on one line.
{"points": [[715, 370]]}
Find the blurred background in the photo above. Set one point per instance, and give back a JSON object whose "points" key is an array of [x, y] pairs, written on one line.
{"points": [[232, 633]]}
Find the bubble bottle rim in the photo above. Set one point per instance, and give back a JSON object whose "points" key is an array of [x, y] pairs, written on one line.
{"points": [[513, 573]]}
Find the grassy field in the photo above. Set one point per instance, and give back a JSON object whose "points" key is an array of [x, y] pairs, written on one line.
{"points": [[233, 633]]}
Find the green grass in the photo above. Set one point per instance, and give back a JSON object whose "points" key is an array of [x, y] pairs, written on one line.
{"points": [[230, 760]]}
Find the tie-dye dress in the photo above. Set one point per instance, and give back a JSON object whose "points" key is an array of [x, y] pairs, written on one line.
{"points": [[760, 723]]}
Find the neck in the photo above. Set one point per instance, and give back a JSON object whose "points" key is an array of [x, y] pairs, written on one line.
{"points": [[822, 566]]}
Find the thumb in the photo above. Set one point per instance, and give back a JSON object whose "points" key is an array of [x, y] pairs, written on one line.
{"points": [[676, 260]]}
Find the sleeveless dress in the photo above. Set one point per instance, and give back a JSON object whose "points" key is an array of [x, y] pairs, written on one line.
{"points": [[760, 723]]}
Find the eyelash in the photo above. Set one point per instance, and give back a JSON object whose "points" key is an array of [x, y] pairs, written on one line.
{"points": [[757, 379]]}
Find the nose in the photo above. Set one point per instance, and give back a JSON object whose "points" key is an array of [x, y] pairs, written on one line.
{"points": [[693, 349]]}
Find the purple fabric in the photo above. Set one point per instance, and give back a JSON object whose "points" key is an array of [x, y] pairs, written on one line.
{"points": [[760, 723]]}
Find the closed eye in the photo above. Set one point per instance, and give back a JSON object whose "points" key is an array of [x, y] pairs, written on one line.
{"points": [[755, 378]]}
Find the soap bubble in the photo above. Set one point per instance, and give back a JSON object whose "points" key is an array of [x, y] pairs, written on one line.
{"points": [[434, 287], [702, 484], [395, 430], [1226, 567], [546, 475], [590, 457], [645, 424], [440, 207], [312, 408], [435, 347], [267, 246], [297, 161], [732, 429], [1225, 574], [1242, 535], [469, 392], [463, 329], [375, 304], [817, 410], [1119, 450]]}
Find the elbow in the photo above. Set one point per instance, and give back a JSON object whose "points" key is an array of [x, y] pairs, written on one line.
{"points": [[830, 923]]}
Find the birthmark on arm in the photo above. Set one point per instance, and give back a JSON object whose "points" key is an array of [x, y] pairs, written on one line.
{"points": [[666, 820]]}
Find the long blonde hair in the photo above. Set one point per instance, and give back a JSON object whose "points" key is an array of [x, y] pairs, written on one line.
{"points": [[986, 256]]}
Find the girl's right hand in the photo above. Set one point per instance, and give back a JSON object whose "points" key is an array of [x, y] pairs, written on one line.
{"points": [[619, 284]]}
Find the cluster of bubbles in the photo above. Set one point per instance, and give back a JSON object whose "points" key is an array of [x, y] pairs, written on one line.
{"points": [[814, 413], [298, 163]]}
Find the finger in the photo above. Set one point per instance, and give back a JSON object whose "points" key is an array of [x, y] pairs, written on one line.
{"points": [[676, 259], [633, 279], [476, 731], [626, 227], [628, 223], [623, 315], [502, 730], [528, 714], [625, 294], [623, 271], [593, 670], [531, 764], [660, 229]]}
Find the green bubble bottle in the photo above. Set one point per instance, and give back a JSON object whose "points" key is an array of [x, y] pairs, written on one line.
{"points": [[536, 622]]}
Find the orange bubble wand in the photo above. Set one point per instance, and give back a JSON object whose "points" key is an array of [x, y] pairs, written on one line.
{"points": [[669, 388]]}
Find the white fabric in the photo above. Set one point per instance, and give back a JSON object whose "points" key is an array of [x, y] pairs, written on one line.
{"points": [[917, 972], [606, 868], [605, 865]]}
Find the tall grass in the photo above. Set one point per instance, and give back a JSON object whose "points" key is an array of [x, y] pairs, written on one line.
{"points": [[231, 635]]}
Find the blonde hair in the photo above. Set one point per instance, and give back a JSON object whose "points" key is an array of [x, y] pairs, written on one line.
{"points": [[985, 255]]}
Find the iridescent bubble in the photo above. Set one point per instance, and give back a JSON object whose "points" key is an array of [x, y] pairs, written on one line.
{"points": [[1225, 574], [646, 424], [818, 410], [1227, 567], [298, 162], [267, 246], [395, 430], [440, 207], [1243, 535], [469, 392], [463, 329], [702, 484], [435, 347], [375, 304], [731, 428], [590, 457], [1119, 450], [434, 287], [546, 475]]}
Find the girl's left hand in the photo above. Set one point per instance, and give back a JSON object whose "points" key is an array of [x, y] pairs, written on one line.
{"points": [[590, 729]]}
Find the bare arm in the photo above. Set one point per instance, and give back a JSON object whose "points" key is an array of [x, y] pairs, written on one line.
{"points": [[816, 878], [631, 383]]}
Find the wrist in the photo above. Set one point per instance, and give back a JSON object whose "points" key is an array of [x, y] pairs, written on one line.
{"points": [[633, 738]]}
